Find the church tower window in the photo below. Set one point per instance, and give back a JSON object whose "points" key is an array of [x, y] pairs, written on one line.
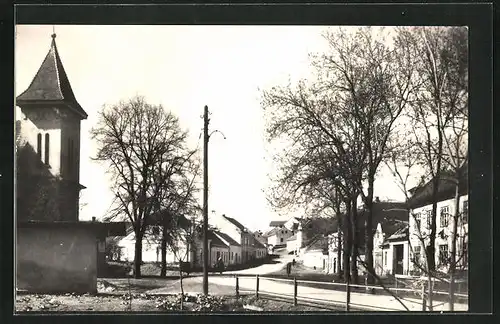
{"points": [[39, 146], [47, 148]]}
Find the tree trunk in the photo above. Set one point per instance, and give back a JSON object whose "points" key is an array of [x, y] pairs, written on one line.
{"points": [[431, 247], [138, 254], [453, 250], [339, 244], [163, 271], [182, 286], [355, 242], [369, 229], [347, 242]]}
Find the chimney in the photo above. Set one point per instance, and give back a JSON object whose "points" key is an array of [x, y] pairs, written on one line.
{"points": [[93, 218], [377, 199]]}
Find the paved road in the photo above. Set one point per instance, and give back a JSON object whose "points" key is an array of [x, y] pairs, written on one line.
{"points": [[222, 285], [265, 268]]}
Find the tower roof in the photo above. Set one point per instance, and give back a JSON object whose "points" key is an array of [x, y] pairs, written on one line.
{"points": [[51, 84]]}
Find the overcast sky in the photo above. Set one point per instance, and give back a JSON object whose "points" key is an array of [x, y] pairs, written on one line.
{"points": [[183, 68]]}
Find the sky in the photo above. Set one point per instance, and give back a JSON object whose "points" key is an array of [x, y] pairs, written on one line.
{"points": [[184, 68]]}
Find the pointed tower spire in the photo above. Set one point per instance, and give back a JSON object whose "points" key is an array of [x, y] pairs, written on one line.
{"points": [[51, 86]]}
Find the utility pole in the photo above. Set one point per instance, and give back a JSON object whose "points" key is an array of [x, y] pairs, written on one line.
{"points": [[205, 201]]}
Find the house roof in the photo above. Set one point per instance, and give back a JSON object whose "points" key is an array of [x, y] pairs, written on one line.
{"points": [[277, 223], [319, 225], [317, 242], [51, 84], [215, 240], [422, 196], [400, 234], [227, 238], [271, 232], [164, 215], [102, 229], [258, 244], [236, 223], [390, 215]]}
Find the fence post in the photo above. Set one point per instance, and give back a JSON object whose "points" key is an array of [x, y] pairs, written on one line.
{"points": [[257, 287], [237, 287], [294, 291], [424, 300]]}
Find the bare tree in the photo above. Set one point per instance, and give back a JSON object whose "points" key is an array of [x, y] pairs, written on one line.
{"points": [[177, 200], [144, 146], [372, 74], [439, 114]]}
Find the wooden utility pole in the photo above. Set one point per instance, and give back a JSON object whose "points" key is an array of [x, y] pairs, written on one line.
{"points": [[205, 201]]}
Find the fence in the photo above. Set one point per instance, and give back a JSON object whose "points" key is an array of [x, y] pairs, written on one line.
{"points": [[341, 295]]}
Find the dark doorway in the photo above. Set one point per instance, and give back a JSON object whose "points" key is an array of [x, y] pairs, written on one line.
{"points": [[398, 259]]}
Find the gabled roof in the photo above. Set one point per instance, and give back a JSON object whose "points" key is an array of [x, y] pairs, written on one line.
{"points": [[317, 242], [236, 223], [401, 234], [422, 196], [51, 84], [277, 223], [226, 238], [319, 225], [258, 244], [215, 240], [271, 232]]}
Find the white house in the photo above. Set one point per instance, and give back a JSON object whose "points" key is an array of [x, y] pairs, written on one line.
{"points": [[238, 233], [391, 250], [234, 248], [388, 218], [420, 219], [277, 236]]}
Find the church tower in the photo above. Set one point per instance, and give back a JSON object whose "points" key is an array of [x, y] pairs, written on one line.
{"points": [[48, 147]]}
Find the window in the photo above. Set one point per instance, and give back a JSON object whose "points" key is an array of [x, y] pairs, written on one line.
{"points": [[47, 145], [39, 146], [443, 254], [465, 212], [444, 216], [217, 255], [69, 156], [418, 220], [416, 254], [281, 240], [385, 258], [428, 215]]}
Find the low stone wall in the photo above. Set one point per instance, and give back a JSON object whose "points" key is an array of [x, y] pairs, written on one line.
{"points": [[56, 259]]}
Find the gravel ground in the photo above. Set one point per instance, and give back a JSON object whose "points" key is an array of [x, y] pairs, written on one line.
{"points": [[147, 303]]}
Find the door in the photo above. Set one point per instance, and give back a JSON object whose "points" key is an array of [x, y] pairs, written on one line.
{"points": [[398, 259]]}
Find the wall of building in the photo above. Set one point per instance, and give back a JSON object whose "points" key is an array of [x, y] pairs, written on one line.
{"points": [[151, 250], [280, 236], [235, 254], [315, 259], [64, 196], [462, 228], [56, 259]]}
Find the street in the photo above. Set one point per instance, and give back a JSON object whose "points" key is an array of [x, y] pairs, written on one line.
{"points": [[225, 284]]}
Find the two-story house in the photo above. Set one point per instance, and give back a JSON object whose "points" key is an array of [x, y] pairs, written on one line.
{"points": [[420, 221], [237, 232]]}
